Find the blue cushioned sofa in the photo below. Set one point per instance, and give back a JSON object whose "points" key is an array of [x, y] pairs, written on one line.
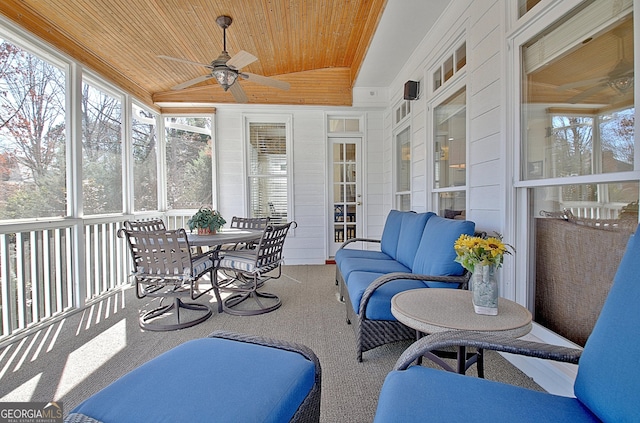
{"points": [[416, 251], [606, 387]]}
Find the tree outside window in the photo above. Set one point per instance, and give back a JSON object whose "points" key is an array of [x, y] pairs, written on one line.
{"points": [[189, 162], [32, 136]]}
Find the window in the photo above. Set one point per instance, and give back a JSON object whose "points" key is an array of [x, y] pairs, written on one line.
{"points": [[145, 160], [453, 63], [525, 5], [32, 135], [101, 151], [450, 157], [189, 162], [403, 169], [268, 169], [577, 147], [344, 124], [579, 118]]}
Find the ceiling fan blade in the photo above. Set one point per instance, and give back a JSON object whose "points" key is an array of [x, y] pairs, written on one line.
{"points": [[238, 93], [241, 59], [176, 59], [582, 83], [191, 82], [265, 80], [587, 93]]}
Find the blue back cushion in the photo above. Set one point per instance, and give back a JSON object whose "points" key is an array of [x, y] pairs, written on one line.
{"points": [[608, 373], [410, 234], [436, 255], [391, 232]]}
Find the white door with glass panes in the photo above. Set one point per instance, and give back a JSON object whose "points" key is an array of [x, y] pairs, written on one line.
{"points": [[346, 195]]}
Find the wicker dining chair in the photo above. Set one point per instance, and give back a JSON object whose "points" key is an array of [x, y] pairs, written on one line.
{"points": [[164, 267], [244, 272]]}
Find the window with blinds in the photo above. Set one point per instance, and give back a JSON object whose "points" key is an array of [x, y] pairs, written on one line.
{"points": [[268, 170]]}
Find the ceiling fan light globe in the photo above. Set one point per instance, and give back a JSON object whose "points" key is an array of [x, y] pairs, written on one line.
{"points": [[225, 77], [622, 85]]}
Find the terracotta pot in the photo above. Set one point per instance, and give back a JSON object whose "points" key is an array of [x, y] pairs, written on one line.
{"points": [[205, 231]]}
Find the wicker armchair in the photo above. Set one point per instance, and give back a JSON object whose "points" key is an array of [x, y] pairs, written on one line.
{"points": [[605, 388]]}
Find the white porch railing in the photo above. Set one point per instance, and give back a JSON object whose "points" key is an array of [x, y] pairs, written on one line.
{"points": [[48, 268]]}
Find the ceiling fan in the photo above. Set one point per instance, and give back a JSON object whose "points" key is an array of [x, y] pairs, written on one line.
{"points": [[620, 78], [226, 69]]}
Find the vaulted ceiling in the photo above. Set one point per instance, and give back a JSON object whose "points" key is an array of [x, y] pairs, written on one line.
{"points": [[317, 46]]}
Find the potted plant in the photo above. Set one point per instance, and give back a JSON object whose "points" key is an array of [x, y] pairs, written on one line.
{"points": [[206, 221]]}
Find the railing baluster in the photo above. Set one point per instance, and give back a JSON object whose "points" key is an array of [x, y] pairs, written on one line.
{"points": [[22, 279], [48, 267], [5, 285]]}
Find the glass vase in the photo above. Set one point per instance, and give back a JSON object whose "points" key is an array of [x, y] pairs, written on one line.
{"points": [[484, 285]]}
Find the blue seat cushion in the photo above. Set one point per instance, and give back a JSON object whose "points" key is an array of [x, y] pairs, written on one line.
{"points": [[435, 255], [348, 253], [379, 306], [410, 234], [391, 232], [421, 394], [370, 265], [208, 379], [608, 379]]}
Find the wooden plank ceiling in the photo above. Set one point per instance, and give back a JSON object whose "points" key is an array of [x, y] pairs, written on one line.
{"points": [[315, 45]]}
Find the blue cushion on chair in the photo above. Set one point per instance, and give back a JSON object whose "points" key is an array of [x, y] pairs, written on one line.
{"points": [[410, 233], [422, 394], [391, 232], [239, 260], [608, 373], [209, 379], [379, 307], [435, 254]]}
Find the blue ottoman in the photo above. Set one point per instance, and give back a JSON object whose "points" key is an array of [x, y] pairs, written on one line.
{"points": [[227, 377]]}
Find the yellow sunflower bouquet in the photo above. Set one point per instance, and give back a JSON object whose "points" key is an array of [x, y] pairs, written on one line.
{"points": [[474, 250]]}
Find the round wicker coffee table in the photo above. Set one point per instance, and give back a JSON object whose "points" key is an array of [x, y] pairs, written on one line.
{"points": [[432, 310]]}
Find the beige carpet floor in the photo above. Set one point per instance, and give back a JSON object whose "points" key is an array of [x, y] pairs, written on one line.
{"points": [[72, 358]]}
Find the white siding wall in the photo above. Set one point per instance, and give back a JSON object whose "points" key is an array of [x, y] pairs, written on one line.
{"points": [[375, 195], [308, 243]]}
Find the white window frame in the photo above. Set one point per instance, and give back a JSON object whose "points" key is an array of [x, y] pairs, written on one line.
{"points": [[287, 120], [443, 96]]}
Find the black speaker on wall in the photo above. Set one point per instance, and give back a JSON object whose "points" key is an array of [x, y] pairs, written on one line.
{"points": [[411, 90]]}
